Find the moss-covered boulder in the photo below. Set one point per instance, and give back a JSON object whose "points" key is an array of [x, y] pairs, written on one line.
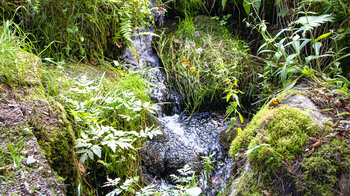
{"points": [[290, 150], [23, 103], [56, 138]]}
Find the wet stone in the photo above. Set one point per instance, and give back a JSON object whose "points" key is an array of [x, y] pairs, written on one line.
{"points": [[187, 142]]}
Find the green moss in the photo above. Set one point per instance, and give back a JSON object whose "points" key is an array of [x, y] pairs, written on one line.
{"points": [[276, 136], [323, 169], [56, 139]]}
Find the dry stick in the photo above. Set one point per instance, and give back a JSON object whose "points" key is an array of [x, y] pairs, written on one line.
{"points": [[212, 7], [89, 185]]}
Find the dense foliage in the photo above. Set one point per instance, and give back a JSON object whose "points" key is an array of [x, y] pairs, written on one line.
{"points": [[204, 61], [74, 30]]}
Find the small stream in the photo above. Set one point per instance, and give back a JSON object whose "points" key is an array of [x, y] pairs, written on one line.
{"points": [[185, 141]]}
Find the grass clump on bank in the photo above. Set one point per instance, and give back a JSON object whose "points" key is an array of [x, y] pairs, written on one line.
{"points": [[203, 62], [17, 64]]}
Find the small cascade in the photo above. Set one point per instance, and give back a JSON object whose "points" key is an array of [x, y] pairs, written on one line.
{"points": [[142, 56], [185, 141]]}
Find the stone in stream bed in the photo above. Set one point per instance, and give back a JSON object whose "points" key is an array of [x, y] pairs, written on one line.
{"points": [[184, 142]]}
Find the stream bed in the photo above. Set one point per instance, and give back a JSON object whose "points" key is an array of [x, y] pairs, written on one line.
{"points": [[188, 141], [185, 140]]}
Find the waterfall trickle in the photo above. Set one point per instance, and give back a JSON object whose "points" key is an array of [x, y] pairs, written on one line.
{"points": [[185, 141]]}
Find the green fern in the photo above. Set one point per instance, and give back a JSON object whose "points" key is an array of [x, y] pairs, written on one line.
{"points": [[126, 29]]}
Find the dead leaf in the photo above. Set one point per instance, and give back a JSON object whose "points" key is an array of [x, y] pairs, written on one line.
{"points": [[273, 102], [310, 152], [338, 136], [287, 164], [192, 70], [336, 94], [317, 144], [266, 193], [185, 63], [82, 168], [6, 168], [336, 124], [94, 62], [177, 41], [348, 108], [337, 103]]}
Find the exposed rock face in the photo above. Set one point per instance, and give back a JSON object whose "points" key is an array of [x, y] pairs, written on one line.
{"points": [[286, 154], [183, 143], [26, 113], [33, 172]]}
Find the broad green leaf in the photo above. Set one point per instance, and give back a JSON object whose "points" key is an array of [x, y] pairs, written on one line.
{"points": [[291, 85], [283, 11], [83, 158], [323, 36], [90, 154], [290, 58], [223, 2], [306, 41], [237, 99], [317, 47], [240, 117], [284, 74], [97, 150], [256, 4], [246, 6], [228, 97]]}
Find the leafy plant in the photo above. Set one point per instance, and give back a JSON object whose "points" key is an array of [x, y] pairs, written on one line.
{"points": [[287, 53], [111, 123]]}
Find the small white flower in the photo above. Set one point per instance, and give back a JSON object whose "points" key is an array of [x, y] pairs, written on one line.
{"points": [[199, 50], [194, 191]]}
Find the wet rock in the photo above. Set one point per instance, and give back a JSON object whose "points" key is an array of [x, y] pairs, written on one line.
{"points": [[187, 141]]}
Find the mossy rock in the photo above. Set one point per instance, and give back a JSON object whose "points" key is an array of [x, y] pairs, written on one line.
{"points": [[281, 157], [284, 129], [22, 68], [56, 138], [27, 107]]}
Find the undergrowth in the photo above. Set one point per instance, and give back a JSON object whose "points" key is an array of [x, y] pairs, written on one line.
{"points": [[203, 63], [70, 30], [112, 120]]}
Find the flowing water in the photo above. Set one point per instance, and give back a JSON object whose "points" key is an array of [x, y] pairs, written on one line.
{"points": [[185, 141]]}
